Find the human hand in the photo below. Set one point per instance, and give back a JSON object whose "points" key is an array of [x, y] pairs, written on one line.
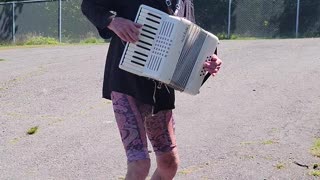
{"points": [[213, 65], [126, 29]]}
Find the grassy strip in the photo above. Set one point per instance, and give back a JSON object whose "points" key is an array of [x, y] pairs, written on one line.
{"points": [[315, 173], [40, 41], [315, 150]]}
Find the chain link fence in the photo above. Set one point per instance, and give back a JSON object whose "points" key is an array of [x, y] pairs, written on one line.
{"points": [[42, 18], [260, 18], [226, 18]]}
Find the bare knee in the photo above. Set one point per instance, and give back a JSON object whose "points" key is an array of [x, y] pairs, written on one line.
{"points": [[168, 162], [138, 170]]}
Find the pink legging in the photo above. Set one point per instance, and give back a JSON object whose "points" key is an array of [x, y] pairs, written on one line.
{"points": [[135, 123]]}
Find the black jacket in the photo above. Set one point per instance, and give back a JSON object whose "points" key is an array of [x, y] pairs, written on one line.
{"points": [[99, 12]]}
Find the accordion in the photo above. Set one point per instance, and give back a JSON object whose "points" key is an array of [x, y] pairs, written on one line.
{"points": [[170, 49]]}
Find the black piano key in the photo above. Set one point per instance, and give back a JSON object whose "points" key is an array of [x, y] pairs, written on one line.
{"points": [[143, 47], [150, 27], [148, 31], [137, 63], [141, 53], [147, 36], [157, 22], [139, 58], [145, 43], [154, 15]]}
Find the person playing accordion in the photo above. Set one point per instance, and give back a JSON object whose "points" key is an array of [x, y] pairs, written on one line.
{"points": [[141, 111]]}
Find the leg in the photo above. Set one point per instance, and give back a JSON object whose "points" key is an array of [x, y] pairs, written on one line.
{"points": [[133, 135], [167, 166], [138, 169], [160, 130]]}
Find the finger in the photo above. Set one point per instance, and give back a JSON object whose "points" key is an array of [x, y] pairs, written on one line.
{"points": [[216, 62], [134, 38], [121, 36], [214, 56], [206, 64], [135, 30], [137, 25], [134, 33], [211, 65], [211, 70], [125, 37], [129, 35]]}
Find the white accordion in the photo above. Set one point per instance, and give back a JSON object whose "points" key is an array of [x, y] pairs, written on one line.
{"points": [[170, 49]]}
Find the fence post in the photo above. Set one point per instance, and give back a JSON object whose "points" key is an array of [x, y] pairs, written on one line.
{"points": [[229, 19], [297, 18], [59, 20], [13, 23]]}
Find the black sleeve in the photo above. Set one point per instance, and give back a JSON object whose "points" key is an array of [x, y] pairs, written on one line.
{"points": [[98, 13]]}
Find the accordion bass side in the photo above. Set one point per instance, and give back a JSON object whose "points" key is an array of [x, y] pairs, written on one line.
{"points": [[170, 49]]}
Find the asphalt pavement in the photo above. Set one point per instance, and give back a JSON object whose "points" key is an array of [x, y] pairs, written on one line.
{"points": [[257, 119]]}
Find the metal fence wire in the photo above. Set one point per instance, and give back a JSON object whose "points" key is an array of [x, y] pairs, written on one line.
{"points": [[260, 18], [64, 21]]}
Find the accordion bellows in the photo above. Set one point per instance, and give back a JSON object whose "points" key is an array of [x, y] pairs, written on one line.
{"points": [[170, 49]]}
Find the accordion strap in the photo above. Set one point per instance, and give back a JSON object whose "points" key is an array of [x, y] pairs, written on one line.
{"points": [[173, 11]]}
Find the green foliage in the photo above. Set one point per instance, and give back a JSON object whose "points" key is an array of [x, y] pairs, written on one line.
{"points": [[222, 36], [32, 130], [280, 166], [315, 173], [315, 150], [92, 40], [40, 40], [256, 18]]}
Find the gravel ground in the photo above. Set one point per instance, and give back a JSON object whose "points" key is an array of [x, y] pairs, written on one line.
{"points": [[253, 121]]}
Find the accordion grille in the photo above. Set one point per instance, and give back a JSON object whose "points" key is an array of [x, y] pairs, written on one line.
{"points": [[187, 60]]}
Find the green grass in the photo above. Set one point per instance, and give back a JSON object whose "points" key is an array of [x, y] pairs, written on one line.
{"points": [[268, 142], [36, 41], [32, 130], [92, 40], [2, 60], [40, 40], [280, 166], [315, 173], [315, 150], [223, 36]]}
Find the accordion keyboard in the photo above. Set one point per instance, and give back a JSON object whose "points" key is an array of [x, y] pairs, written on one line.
{"points": [[155, 41], [170, 49]]}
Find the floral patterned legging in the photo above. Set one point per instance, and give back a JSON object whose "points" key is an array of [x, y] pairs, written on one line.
{"points": [[136, 123]]}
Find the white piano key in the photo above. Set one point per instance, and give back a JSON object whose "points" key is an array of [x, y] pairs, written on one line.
{"points": [[148, 30], [145, 39], [133, 67], [150, 23], [131, 53], [146, 11], [139, 52], [131, 60], [143, 14], [134, 47]]}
